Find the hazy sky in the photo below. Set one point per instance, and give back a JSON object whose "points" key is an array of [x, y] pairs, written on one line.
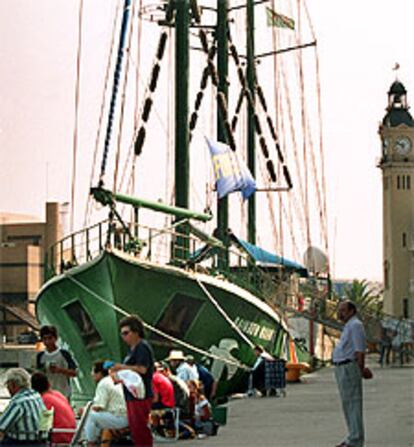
{"points": [[359, 43]]}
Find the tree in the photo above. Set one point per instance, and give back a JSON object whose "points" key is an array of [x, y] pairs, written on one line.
{"points": [[365, 297]]}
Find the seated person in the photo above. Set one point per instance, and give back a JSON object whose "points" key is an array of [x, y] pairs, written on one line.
{"points": [[181, 391], [19, 424], [63, 415], [163, 390], [182, 369], [202, 416], [205, 377], [108, 409]]}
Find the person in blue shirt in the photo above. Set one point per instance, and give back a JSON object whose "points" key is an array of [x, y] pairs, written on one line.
{"points": [[349, 360], [205, 377]]}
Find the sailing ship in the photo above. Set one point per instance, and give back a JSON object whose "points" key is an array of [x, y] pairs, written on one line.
{"points": [[196, 284]]}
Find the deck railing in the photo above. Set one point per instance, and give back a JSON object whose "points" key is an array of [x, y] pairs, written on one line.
{"points": [[158, 246]]}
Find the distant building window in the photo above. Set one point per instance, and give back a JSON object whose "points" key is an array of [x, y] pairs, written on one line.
{"points": [[408, 181], [82, 320], [398, 182], [403, 181], [29, 239], [404, 239]]}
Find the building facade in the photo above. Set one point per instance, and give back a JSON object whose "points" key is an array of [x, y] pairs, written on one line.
{"points": [[23, 244], [397, 165]]}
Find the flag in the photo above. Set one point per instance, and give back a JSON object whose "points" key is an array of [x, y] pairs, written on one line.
{"points": [[279, 20], [230, 172]]}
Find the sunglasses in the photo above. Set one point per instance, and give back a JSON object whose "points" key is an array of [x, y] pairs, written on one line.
{"points": [[124, 333]]}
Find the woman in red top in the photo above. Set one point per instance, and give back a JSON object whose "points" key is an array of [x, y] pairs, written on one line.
{"points": [[163, 390], [63, 415]]}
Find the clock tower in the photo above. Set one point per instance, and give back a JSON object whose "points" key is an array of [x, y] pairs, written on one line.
{"points": [[397, 165]]}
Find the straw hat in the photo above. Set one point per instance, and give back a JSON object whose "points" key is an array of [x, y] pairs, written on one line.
{"points": [[175, 355]]}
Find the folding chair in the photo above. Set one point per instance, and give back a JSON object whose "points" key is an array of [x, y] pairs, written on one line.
{"points": [[78, 433]]}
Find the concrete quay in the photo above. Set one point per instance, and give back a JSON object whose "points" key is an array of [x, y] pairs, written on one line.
{"points": [[311, 414]]}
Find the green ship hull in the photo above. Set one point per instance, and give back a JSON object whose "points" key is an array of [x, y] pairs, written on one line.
{"points": [[210, 314]]}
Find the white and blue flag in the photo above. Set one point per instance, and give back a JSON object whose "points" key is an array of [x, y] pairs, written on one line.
{"points": [[230, 172]]}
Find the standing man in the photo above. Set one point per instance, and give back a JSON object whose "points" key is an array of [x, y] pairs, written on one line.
{"points": [[57, 363], [140, 360], [19, 424], [349, 361]]}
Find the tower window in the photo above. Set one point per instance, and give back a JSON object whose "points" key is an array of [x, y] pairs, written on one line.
{"points": [[405, 307], [404, 239], [386, 272], [403, 182]]}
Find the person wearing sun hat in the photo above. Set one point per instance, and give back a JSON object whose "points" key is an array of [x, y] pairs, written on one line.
{"points": [[182, 369]]}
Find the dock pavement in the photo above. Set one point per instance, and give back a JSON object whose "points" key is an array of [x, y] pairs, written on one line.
{"points": [[311, 416]]}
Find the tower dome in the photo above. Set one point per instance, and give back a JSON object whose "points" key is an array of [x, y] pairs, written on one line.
{"points": [[397, 110], [397, 88]]}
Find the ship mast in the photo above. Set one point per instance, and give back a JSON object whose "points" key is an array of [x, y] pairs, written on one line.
{"points": [[251, 153], [222, 68], [182, 156]]}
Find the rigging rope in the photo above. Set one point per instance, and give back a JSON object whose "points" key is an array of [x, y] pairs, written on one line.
{"points": [[155, 72], [232, 324], [279, 124], [200, 94], [132, 180], [101, 116], [257, 126], [321, 143], [154, 329], [221, 98], [75, 130], [123, 100], [117, 73], [304, 129]]}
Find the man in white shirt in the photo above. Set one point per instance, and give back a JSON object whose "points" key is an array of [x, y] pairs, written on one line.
{"points": [[109, 408], [349, 360]]}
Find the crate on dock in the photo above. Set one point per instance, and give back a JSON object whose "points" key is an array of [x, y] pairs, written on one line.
{"points": [[220, 414], [275, 377]]}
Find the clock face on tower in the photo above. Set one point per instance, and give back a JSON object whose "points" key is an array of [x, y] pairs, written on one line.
{"points": [[403, 145]]}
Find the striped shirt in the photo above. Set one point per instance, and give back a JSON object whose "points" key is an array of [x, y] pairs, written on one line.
{"points": [[20, 420]]}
